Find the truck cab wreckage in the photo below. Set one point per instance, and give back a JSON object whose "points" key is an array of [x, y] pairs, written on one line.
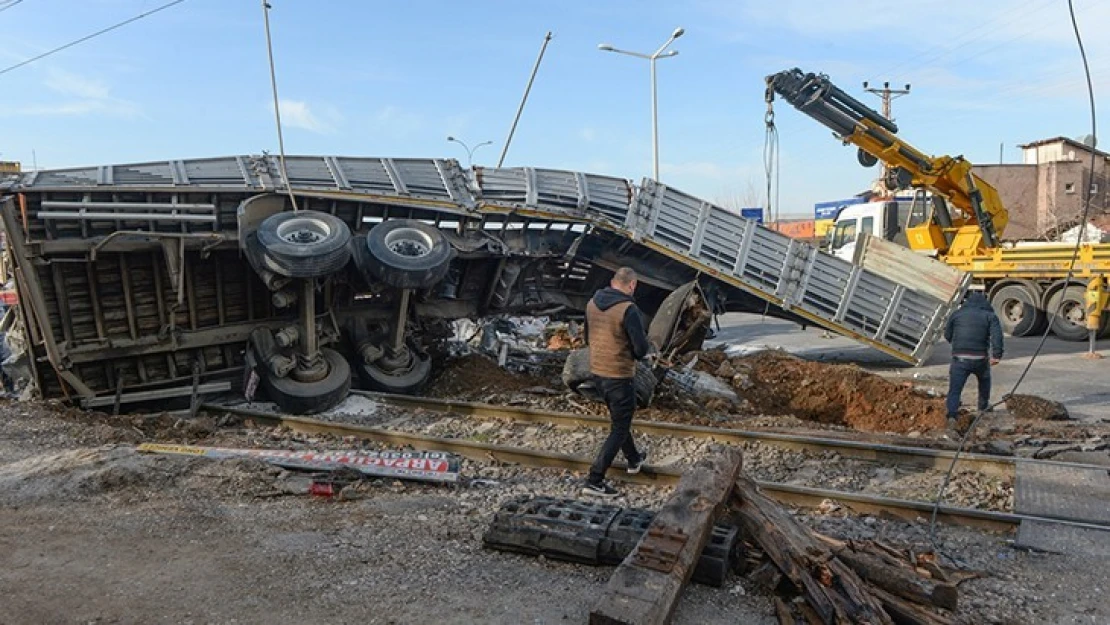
{"points": [[163, 280]]}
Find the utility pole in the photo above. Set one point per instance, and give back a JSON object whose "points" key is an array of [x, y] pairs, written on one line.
{"points": [[887, 94]]}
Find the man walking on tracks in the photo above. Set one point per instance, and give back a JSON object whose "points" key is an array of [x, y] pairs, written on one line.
{"points": [[976, 338], [617, 339]]}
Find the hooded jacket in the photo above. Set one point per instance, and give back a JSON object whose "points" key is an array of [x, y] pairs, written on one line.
{"points": [[615, 333], [974, 329]]}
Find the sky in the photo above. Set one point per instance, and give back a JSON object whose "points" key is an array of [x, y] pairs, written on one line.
{"points": [[396, 78]]}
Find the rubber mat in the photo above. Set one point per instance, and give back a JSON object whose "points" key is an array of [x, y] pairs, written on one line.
{"points": [[1059, 538], [1063, 493]]}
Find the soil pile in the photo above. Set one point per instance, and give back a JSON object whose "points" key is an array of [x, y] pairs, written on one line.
{"points": [[1033, 407], [777, 383]]}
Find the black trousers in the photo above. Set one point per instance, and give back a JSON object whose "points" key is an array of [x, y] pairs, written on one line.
{"points": [[958, 373], [620, 396]]}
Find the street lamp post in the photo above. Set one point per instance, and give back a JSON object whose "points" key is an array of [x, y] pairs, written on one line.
{"points": [[658, 54], [469, 151]]}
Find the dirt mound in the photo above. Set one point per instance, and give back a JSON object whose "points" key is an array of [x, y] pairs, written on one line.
{"points": [[121, 471], [777, 383], [1033, 407], [478, 378]]}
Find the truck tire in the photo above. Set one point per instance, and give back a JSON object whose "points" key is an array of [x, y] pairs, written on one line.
{"points": [[577, 377], [407, 254], [1018, 309], [296, 397], [1068, 314], [305, 244], [403, 382]]}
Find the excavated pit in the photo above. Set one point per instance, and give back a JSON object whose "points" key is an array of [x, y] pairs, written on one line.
{"points": [[778, 383]]}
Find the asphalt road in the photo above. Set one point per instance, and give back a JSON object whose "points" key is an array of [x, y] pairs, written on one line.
{"points": [[1060, 371]]}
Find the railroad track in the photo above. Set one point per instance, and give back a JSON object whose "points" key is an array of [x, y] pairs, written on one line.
{"points": [[802, 496], [920, 457]]}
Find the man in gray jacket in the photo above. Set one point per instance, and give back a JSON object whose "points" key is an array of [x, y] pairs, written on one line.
{"points": [[976, 338]]}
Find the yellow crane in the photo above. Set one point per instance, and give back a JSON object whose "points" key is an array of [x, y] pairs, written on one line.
{"points": [[1022, 281]]}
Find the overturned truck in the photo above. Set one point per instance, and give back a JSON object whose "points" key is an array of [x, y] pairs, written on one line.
{"points": [[155, 281]]}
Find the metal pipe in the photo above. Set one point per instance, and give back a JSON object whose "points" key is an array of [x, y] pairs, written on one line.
{"points": [[523, 100], [310, 342], [402, 315]]}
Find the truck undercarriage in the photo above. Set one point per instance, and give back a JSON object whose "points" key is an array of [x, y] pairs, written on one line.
{"points": [[154, 281]]}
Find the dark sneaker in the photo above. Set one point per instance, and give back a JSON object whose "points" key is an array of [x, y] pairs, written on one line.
{"points": [[634, 467], [604, 489]]}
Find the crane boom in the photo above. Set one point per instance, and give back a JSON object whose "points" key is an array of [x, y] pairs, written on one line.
{"points": [[983, 217]]}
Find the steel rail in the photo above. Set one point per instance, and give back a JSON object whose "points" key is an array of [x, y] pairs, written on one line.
{"points": [[797, 495], [922, 457]]}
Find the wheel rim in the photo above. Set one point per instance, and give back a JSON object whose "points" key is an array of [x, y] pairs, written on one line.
{"points": [[1013, 309], [409, 242], [304, 231], [1074, 314]]}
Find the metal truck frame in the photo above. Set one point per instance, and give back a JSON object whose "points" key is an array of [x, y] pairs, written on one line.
{"points": [[165, 280]]}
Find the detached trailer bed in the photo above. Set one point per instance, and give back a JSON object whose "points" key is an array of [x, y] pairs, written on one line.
{"points": [[159, 280]]}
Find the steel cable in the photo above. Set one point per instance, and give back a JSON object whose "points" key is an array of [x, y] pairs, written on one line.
{"points": [[1067, 279]]}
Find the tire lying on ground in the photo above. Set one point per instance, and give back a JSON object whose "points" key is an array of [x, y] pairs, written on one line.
{"points": [[305, 244], [407, 254], [577, 377], [405, 380], [297, 397]]}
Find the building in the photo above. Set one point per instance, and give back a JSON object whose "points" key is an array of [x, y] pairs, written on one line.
{"points": [[1044, 193]]}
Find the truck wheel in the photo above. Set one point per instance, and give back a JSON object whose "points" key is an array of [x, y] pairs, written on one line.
{"points": [[403, 380], [577, 377], [1068, 314], [310, 397], [407, 254], [1018, 310], [305, 244]]}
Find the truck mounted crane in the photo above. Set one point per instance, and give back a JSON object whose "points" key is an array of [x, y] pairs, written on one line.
{"points": [[1028, 284]]}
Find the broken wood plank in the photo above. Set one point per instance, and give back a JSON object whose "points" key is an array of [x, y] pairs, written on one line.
{"points": [[899, 580], [646, 587], [833, 590], [905, 613]]}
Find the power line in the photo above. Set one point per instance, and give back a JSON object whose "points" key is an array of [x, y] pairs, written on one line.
{"points": [[940, 53], [7, 5], [87, 37], [1066, 281]]}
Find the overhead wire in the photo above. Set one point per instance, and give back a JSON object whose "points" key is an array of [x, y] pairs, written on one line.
{"points": [[1059, 306], [7, 5], [88, 37], [277, 108]]}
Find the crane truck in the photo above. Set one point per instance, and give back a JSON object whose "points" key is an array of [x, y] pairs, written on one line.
{"points": [[957, 217]]}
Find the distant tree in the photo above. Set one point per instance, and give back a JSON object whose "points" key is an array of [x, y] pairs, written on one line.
{"points": [[740, 195]]}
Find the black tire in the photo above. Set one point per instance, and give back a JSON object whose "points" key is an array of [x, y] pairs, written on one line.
{"points": [[407, 254], [403, 382], [297, 397], [577, 377], [305, 244], [1018, 309], [1070, 324]]}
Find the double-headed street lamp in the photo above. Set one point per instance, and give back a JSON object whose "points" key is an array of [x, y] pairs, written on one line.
{"points": [[658, 54], [469, 151]]}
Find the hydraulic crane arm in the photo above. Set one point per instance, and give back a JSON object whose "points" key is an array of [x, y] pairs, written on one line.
{"points": [[983, 215]]}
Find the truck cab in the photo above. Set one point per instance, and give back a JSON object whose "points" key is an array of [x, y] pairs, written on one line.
{"points": [[886, 219]]}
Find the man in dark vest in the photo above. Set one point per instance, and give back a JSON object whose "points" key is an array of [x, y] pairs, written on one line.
{"points": [[617, 339], [976, 338]]}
